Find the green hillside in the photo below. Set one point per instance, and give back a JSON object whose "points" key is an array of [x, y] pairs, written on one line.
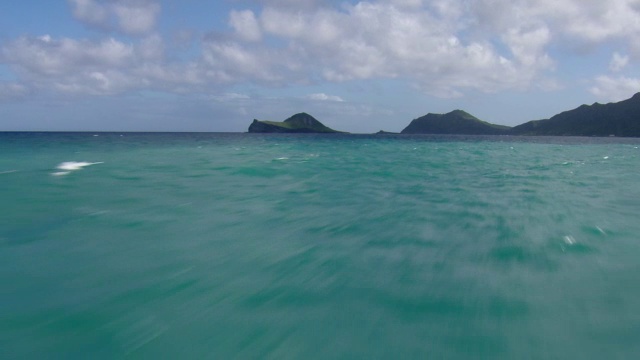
{"points": [[613, 119]]}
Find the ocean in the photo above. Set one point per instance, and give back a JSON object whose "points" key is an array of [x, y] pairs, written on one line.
{"points": [[275, 246]]}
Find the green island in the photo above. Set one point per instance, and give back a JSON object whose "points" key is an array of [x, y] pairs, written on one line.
{"points": [[612, 119], [298, 123], [455, 122]]}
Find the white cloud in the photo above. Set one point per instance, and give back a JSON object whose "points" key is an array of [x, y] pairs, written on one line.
{"points": [[90, 11], [588, 21], [382, 40], [136, 17], [615, 88], [618, 62], [528, 45], [324, 97], [97, 67], [229, 62], [133, 17], [448, 47], [442, 47], [48, 57], [598, 21], [245, 25]]}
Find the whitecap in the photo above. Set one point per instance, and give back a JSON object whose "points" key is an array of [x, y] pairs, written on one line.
{"points": [[8, 171], [569, 239], [69, 166], [75, 165]]}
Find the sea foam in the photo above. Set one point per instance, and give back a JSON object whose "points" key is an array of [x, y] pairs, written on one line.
{"points": [[69, 166]]}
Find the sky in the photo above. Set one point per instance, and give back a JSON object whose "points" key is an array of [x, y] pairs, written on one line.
{"points": [[357, 66]]}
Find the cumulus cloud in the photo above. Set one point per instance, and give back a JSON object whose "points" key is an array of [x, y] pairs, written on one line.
{"points": [[618, 62], [386, 40], [133, 17], [442, 47], [448, 47], [50, 57], [615, 88], [588, 21], [136, 17], [232, 62], [600, 21], [90, 11], [96, 67], [245, 25], [324, 97]]}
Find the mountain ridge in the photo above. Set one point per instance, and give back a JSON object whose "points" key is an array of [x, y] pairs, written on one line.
{"points": [[612, 119]]}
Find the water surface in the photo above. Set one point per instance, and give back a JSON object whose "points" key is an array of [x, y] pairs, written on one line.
{"points": [[318, 246]]}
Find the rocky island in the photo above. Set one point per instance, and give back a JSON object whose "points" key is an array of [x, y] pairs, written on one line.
{"points": [[455, 122], [298, 123]]}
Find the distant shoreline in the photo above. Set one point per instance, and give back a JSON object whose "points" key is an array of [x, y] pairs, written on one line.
{"points": [[336, 136]]}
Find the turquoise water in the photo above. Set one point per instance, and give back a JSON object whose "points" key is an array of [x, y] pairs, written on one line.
{"points": [[292, 247]]}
